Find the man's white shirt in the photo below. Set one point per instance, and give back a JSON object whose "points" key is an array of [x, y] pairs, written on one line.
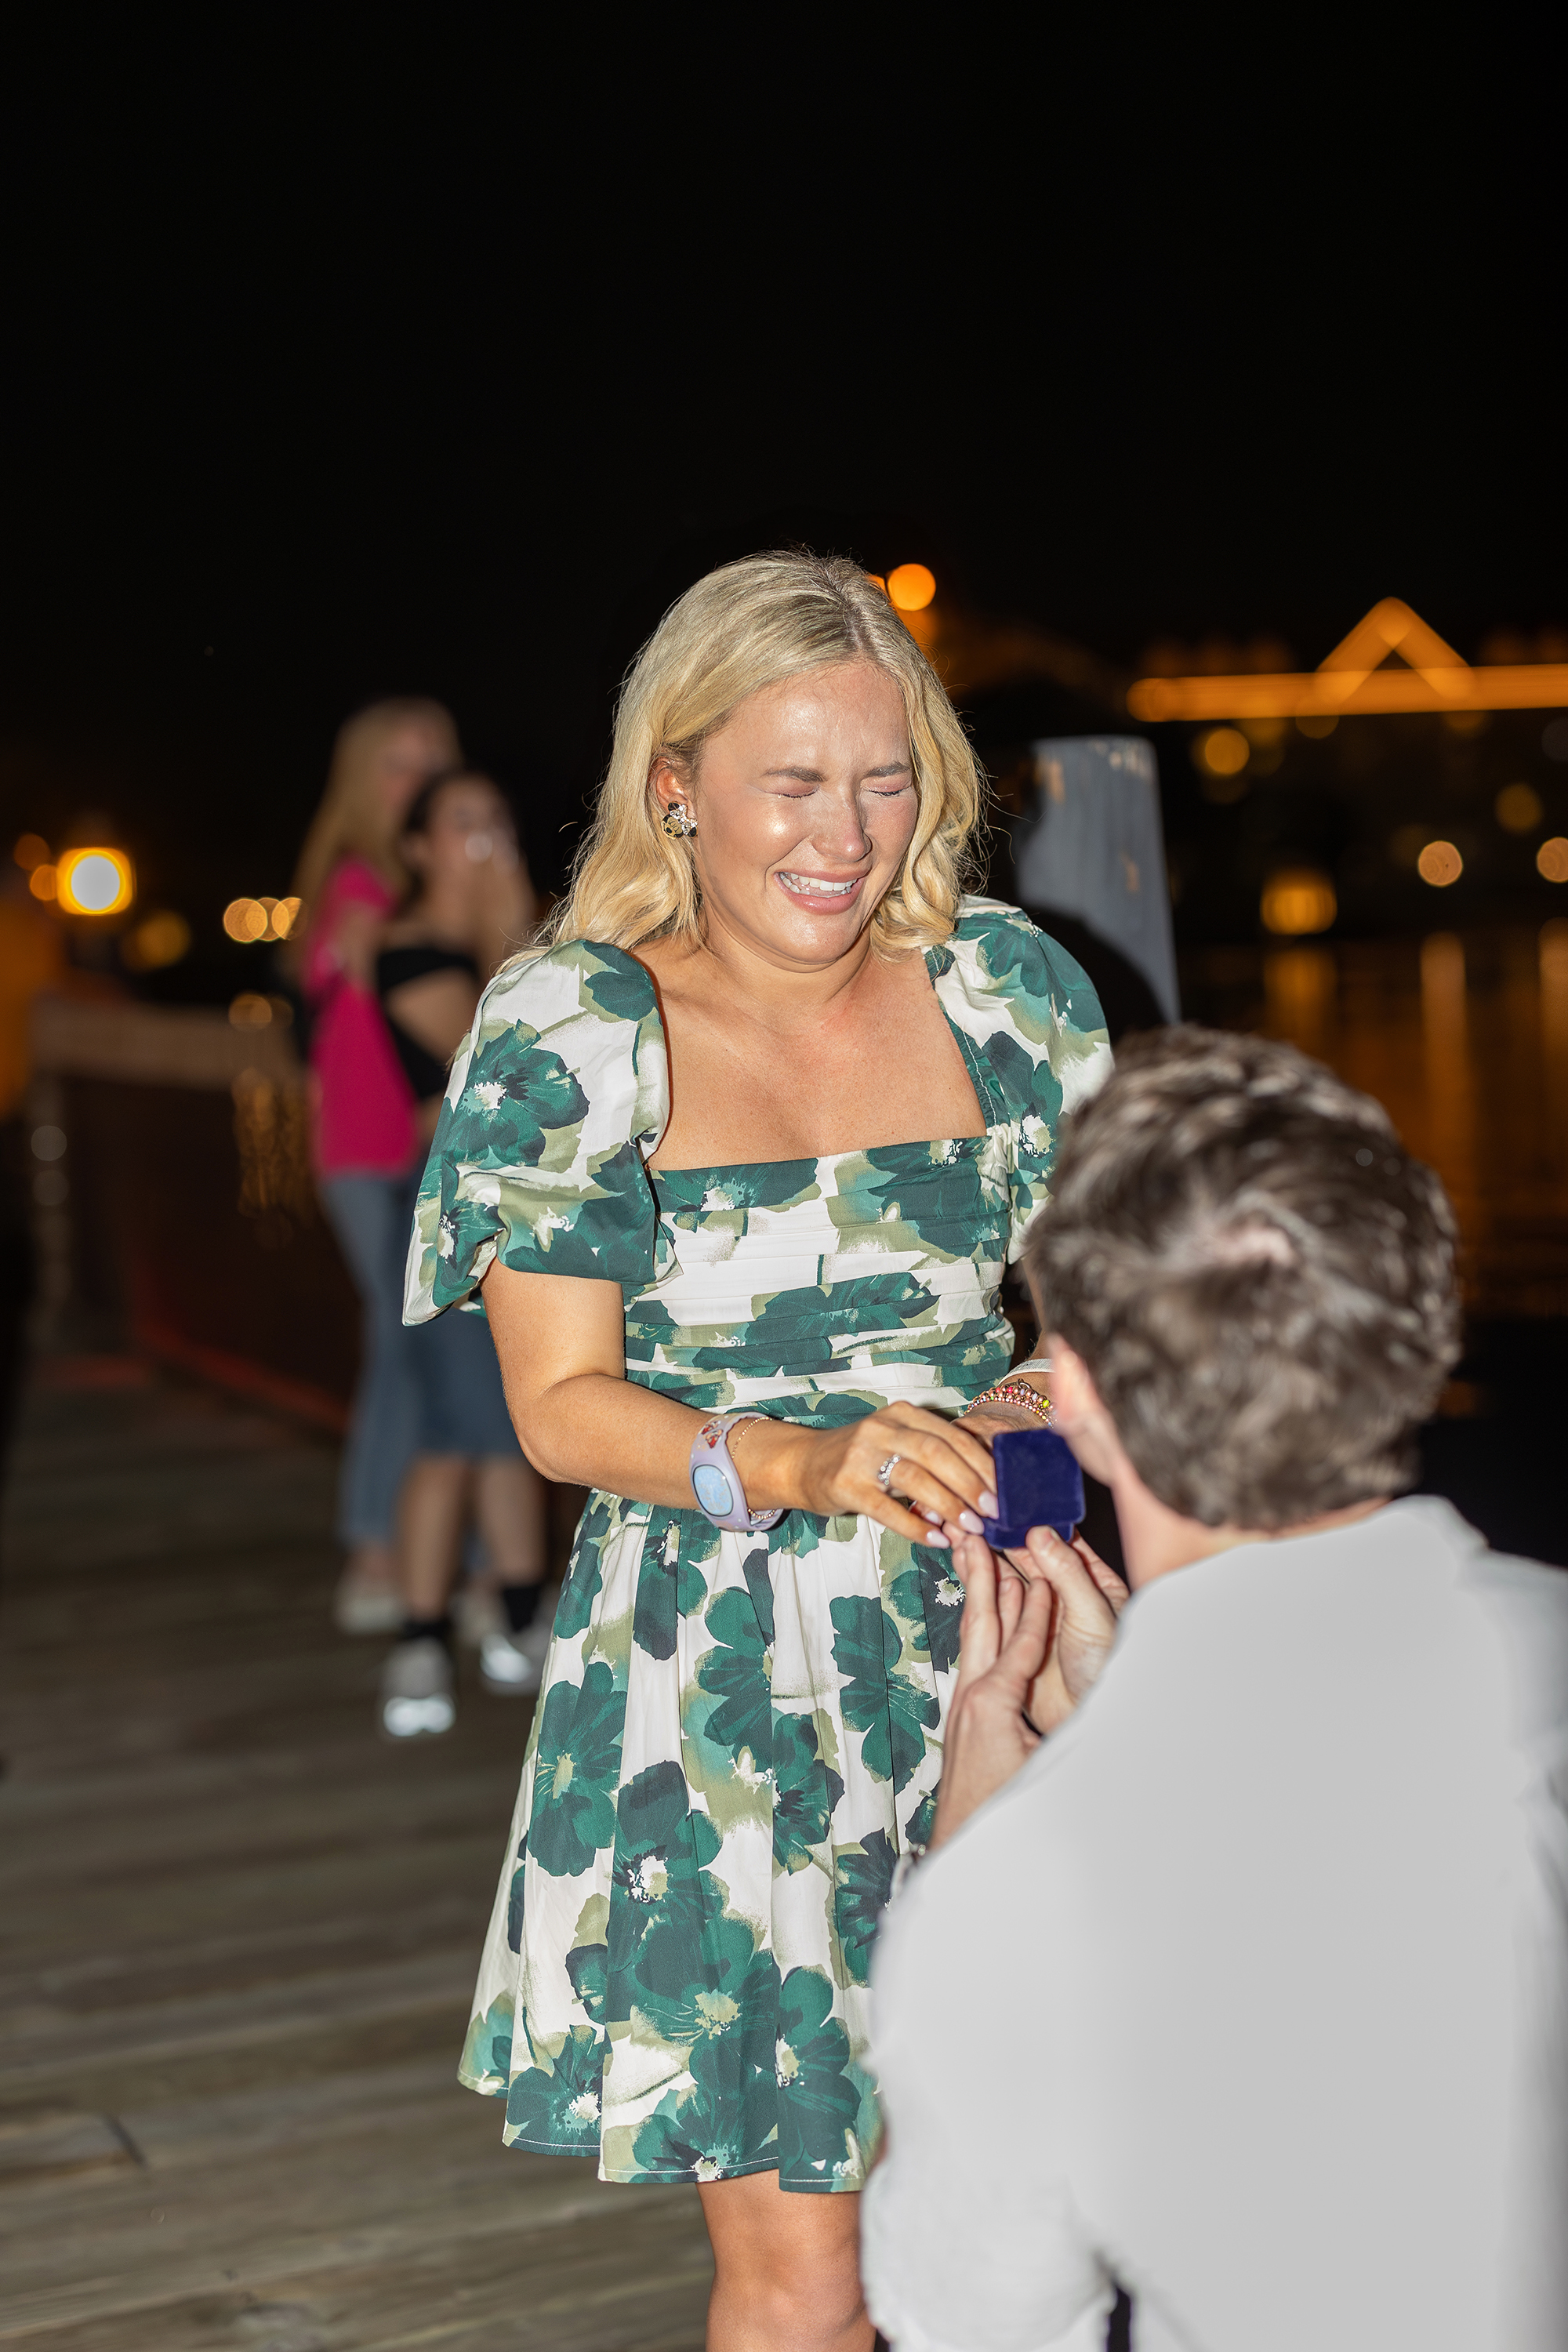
{"points": [[1250, 1991]]}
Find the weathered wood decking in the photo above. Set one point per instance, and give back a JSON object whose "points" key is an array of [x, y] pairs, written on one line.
{"points": [[237, 1936]]}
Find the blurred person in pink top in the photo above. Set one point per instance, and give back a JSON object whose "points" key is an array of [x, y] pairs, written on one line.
{"points": [[364, 1116]]}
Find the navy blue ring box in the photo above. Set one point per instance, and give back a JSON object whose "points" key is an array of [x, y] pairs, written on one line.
{"points": [[1038, 1485]]}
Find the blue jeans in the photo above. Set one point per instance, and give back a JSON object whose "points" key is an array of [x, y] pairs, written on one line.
{"points": [[371, 1216]]}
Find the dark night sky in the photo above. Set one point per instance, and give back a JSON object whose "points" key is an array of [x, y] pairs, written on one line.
{"points": [[442, 371]]}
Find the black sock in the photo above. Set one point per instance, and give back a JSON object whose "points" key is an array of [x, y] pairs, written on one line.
{"points": [[521, 1603], [428, 1628]]}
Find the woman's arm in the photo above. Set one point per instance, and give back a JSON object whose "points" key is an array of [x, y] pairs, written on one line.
{"points": [[562, 1345]]}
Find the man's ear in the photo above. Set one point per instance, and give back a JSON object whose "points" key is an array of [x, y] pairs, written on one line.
{"points": [[1072, 1385], [1081, 1416]]}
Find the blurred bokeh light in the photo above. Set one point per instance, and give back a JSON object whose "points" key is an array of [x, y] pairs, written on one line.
{"points": [[1223, 751], [1519, 808], [1439, 863], [912, 586], [159, 939], [252, 920], [1551, 859], [94, 881], [1297, 900]]}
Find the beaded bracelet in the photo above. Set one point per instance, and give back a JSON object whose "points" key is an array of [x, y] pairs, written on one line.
{"points": [[1012, 1391]]}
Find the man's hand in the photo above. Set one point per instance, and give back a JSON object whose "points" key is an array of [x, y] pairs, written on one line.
{"points": [[1089, 1598], [1006, 1628]]}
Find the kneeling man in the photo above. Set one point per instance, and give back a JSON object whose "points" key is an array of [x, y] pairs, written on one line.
{"points": [[1245, 1985]]}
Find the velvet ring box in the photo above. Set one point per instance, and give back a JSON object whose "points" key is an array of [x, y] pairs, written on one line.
{"points": [[1038, 1485]]}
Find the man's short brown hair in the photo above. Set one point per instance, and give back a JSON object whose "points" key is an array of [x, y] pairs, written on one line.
{"points": [[1256, 1274]]}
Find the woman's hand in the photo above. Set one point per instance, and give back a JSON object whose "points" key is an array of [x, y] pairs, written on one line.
{"points": [[942, 1471]]}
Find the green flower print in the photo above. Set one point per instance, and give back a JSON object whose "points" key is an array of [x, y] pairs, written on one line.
{"points": [[736, 1672], [795, 1329], [697, 1979], [819, 2099], [575, 1772], [806, 1792], [512, 1099], [587, 1970], [722, 2122], [940, 1199], [863, 1880], [663, 1843], [923, 1823], [584, 1574], [615, 987], [487, 2052], [556, 2106], [892, 1712], [722, 1197], [929, 1598], [671, 1581], [1033, 1087]]}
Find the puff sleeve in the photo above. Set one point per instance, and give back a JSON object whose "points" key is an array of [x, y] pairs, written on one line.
{"points": [[1034, 1037], [555, 1100]]}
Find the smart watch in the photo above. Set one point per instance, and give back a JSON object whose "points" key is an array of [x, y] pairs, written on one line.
{"points": [[716, 1482]]}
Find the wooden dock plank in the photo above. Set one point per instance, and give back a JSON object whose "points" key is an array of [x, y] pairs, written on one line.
{"points": [[237, 1936]]}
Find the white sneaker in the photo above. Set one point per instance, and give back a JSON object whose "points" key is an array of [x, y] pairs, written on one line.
{"points": [[476, 1611], [416, 1691], [512, 1663]]}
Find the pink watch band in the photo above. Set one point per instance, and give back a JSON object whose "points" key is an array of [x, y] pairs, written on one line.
{"points": [[716, 1482]]}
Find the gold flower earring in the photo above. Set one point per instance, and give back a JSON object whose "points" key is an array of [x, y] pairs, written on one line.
{"points": [[676, 823]]}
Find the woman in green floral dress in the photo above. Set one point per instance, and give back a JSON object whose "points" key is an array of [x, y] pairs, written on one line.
{"points": [[755, 1135]]}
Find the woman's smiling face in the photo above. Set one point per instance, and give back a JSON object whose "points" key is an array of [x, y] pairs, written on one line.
{"points": [[805, 804]]}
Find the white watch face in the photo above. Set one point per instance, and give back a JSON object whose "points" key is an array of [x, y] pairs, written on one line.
{"points": [[712, 1490]]}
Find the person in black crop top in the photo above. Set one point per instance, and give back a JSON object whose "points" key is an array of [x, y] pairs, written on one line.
{"points": [[472, 904]]}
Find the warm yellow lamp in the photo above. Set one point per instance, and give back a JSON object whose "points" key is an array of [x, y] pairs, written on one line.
{"points": [[94, 881]]}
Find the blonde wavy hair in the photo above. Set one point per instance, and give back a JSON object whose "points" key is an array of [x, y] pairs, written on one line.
{"points": [[743, 627], [354, 820]]}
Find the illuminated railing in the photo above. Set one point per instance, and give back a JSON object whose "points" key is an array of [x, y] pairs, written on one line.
{"points": [[1356, 679]]}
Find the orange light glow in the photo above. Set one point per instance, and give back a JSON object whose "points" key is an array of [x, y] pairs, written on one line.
{"points": [[1223, 751], [43, 882], [912, 586], [1551, 859], [1439, 863], [31, 852], [252, 920], [94, 881], [249, 1011], [245, 919], [1518, 808], [1297, 900], [1353, 679], [159, 939]]}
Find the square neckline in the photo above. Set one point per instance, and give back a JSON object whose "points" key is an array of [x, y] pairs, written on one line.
{"points": [[828, 1159], [949, 1143]]}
